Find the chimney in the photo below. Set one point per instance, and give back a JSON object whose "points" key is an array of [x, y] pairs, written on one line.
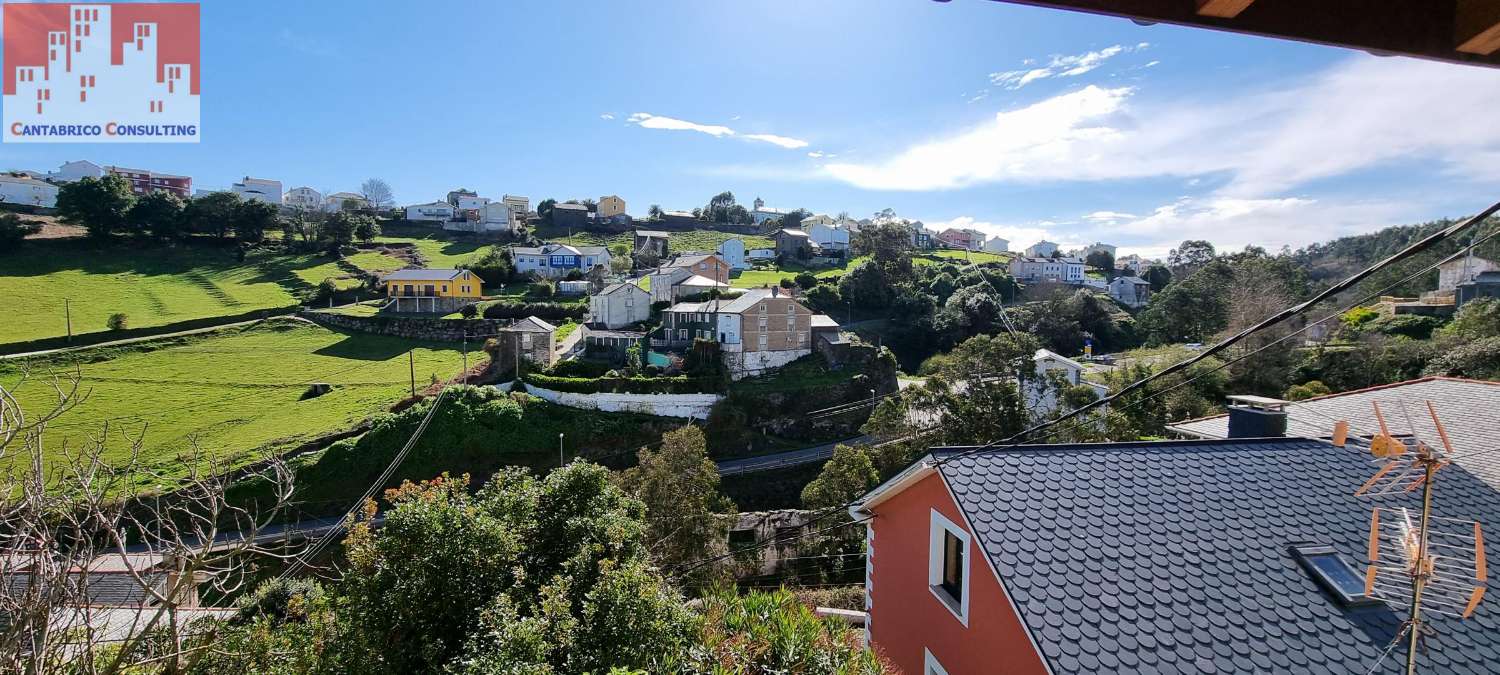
{"points": [[775, 291], [1256, 417]]}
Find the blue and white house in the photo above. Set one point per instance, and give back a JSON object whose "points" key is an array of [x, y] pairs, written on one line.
{"points": [[733, 252], [555, 260]]}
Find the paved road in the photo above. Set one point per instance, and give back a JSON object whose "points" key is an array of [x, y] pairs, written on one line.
{"points": [[782, 460]]}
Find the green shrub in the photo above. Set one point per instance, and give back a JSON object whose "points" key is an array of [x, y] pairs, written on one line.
{"points": [[117, 321], [1412, 326], [577, 368], [1302, 392], [540, 289], [546, 311], [806, 280]]}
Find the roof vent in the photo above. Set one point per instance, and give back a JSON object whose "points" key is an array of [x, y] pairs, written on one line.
{"points": [[1256, 417]]}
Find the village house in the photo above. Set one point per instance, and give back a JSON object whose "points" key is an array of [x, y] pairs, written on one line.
{"points": [[455, 195], [258, 190], [1053, 371], [962, 238], [610, 206], [1482, 285], [304, 198], [762, 329], [1041, 249], [1150, 556], [26, 191], [828, 237], [710, 265], [1134, 263], [144, 182], [556, 260], [619, 305], [611, 345], [519, 208], [1057, 270], [1097, 247], [996, 245], [794, 244], [432, 211], [1130, 291], [75, 170], [733, 252], [344, 201], [761, 213], [530, 340], [654, 242], [431, 290], [1466, 268], [575, 216]]}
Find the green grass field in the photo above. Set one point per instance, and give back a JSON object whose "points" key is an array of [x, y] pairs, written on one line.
{"points": [[153, 285], [236, 392]]}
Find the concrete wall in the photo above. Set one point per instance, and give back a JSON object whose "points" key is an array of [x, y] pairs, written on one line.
{"points": [[694, 406], [749, 364]]}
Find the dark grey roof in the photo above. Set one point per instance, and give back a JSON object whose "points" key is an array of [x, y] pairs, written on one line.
{"points": [[429, 274], [566, 207], [1465, 407], [1173, 557], [98, 589]]}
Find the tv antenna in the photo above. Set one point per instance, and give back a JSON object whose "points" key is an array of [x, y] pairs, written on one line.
{"points": [[1424, 562]]}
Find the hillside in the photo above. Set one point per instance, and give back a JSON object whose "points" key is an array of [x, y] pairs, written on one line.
{"points": [[232, 391], [1339, 258]]}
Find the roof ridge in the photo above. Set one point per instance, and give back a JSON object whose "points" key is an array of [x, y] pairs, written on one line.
{"points": [[1109, 445], [1379, 387]]}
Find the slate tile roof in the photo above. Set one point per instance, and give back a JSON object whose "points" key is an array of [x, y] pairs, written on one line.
{"points": [[1172, 557], [1469, 410], [428, 274]]}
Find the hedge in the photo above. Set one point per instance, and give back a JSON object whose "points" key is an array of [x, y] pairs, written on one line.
{"points": [[627, 385], [546, 311]]}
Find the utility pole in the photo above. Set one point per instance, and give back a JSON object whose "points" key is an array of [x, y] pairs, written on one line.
{"points": [[411, 362], [68, 317], [559, 449]]}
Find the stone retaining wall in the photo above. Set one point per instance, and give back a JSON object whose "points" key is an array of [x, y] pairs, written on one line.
{"points": [[414, 328]]}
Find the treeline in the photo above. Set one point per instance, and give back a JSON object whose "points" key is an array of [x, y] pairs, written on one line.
{"points": [[106, 207]]}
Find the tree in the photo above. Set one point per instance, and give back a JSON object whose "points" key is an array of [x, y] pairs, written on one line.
{"points": [[806, 280], [13, 230], [866, 286], [686, 515], [792, 220], [340, 227], [1191, 255], [366, 229], [161, 213], [213, 213], [1102, 260], [1477, 319], [99, 204], [1158, 276], [847, 475], [1192, 309], [544, 210], [655, 212], [253, 218], [377, 192]]}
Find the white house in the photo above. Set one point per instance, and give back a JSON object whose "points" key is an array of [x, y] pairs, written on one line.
{"points": [[1041, 249], [1134, 263], [820, 219], [733, 252], [519, 207], [1059, 270], [75, 170], [827, 235], [336, 201], [303, 198], [432, 211], [1054, 370], [555, 260], [496, 216], [1130, 291], [762, 213], [1455, 272], [619, 305], [258, 190], [471, 202], [664, 283], [996, 245], [760, 254], [27, 191]]}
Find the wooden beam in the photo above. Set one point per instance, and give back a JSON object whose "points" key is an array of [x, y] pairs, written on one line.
{"points": [[1223, 9], [1476, 26]]}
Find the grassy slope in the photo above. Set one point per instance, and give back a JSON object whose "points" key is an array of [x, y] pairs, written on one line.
{"points": [[696, 240], [153, 285], [235, 391]]}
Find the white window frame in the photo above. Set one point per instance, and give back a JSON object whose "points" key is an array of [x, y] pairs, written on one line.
{"points": [[930, 665], [763, 341], [940, 525]]}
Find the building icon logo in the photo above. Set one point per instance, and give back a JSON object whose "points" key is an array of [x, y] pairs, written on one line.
{"points": [[100, 73]]}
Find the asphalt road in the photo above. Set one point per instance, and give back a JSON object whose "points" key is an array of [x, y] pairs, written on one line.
{"points": [[782, 460]]}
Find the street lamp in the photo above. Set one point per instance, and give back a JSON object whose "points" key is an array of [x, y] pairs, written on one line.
{"points": [[559, 449]]}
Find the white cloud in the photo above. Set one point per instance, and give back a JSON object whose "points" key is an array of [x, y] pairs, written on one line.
{"points": [[1060, 65], [980, 96], [1107, 216], [783, 141], [817, 154], [607, 116], [649, 121], [1232, 223], [1361, 114], [1020, 235]]}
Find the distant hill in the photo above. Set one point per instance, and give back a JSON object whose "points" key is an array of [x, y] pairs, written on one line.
{"points": [[1330, 261]]}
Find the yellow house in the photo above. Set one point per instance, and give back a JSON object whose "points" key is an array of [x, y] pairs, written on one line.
{"points": [[443, 289], [610, 206]]}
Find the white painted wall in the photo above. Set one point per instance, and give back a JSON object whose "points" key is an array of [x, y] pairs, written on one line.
{"points": [[733, 252], [27, 191], [691, 406], [749, 364]]}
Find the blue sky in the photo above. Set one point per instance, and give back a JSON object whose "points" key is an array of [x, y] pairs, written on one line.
{"points": [[1020, 121]]}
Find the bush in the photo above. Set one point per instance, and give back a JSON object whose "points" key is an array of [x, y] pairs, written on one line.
{"points": [[576, 368], [1417, 327], [626, 385], [806, 280], [787, 283], [279, 599], [540, 289], [118, 321], [1302, 392], [546, 311], [468, 311], [13, 230]]}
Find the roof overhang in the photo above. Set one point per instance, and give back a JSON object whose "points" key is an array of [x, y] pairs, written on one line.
{"points": [[908, 477], [1455, 31]]}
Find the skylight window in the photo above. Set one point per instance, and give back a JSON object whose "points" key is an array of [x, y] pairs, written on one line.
{"points": [[1333, 573]]}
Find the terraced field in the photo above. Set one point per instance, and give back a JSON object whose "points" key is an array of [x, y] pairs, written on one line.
{"points": [[233, 392]]}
